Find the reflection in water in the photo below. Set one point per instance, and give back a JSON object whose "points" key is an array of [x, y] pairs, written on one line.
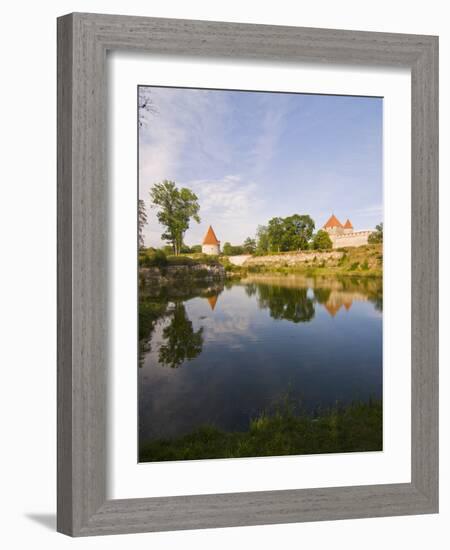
{"points": [[181, 343], [242, 345], [212, 300], [292, 304], [287, 297]]}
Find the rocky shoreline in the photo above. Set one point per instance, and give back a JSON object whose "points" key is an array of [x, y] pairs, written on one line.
{"points": [[172, 274]]}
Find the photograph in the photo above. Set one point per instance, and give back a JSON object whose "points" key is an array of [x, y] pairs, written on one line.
{"points": [[260, 273]]}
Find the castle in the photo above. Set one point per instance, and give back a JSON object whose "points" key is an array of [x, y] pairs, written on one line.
{"points": [[340, 235], [345, 235], [210, 244]]}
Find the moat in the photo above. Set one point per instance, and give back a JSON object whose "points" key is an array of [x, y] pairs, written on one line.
{"points": [[220, 354]]}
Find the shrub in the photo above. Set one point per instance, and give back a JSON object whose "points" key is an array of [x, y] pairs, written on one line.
{"points": [[152, 258], [354, 266], [322, 241], [343, 259]]}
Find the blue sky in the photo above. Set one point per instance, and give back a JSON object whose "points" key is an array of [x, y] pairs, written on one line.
{"points": [[250, 156]]}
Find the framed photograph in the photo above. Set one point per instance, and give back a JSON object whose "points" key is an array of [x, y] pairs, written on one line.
{"points": [[247, 274]]}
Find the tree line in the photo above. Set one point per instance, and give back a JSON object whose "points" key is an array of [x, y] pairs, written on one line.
{"points": [[177, 207]]}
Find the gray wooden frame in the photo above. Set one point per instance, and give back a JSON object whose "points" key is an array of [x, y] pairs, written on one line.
{"points": [[83, 40]]}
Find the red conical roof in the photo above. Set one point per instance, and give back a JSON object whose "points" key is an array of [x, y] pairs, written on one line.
{"points": [[348, 224], [210, 237], [333, 222]]}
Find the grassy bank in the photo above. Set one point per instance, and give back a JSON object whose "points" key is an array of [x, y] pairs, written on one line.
{"points": [[357, 427], [157, 258], [361, 261]]}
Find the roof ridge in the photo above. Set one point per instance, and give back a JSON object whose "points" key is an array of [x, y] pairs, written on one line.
{"points": [[333, 222]]}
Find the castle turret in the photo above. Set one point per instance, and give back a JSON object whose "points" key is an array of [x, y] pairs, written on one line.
{"points": [[348, 227], [345, 235], [334, 226], [211, 245]]}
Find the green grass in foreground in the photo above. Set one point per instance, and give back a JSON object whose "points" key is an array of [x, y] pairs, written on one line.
{"points": [[357, 427]]}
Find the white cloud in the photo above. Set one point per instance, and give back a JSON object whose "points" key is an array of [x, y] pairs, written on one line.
{"points": [[230, 204], [373, 210], [271, 124]]}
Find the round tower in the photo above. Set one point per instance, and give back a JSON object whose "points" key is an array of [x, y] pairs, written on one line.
{"points": [[210, 244]]}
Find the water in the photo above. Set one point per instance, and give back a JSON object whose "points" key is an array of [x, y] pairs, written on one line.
{"points": [[223, 354]]}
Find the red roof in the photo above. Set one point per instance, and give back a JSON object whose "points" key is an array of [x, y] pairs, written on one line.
{"points": [[333, 222], [210, 237], [348, 224]]}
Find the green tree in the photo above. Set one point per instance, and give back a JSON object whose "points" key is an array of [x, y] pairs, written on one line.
{"points": [[262, 239], [377, 235], [298, 230], [227, 249], [291, 233], [176, 208], [196, 249], [142, 221], [275, 232], [249, 245], [322, 241]]}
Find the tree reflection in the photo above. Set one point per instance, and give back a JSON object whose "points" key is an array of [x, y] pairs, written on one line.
{"points": [[291, 304], [181, 341], [322, 295], [250, 289]]}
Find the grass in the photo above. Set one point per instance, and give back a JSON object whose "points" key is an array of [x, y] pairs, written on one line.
{"points": [[357, 427], [366, 261]]}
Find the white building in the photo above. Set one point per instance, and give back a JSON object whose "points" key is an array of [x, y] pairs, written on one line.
{"points": [[211, 245], [345, 235]]}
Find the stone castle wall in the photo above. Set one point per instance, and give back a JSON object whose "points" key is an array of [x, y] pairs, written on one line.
{"points": [[357, 238]]}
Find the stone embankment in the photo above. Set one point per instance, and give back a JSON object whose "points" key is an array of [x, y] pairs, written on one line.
{"points": [[172, 273], [298, 258]]}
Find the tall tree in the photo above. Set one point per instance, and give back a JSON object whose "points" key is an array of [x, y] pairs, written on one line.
{"points": [[262, 239], [275, 230], [298, 230], [176, 207], [142, 221]]}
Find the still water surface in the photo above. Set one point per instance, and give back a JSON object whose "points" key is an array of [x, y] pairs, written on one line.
{"points": [[223, 354]]}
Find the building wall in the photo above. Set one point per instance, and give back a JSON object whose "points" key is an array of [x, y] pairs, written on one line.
{"points": [[211, 249], [335, 230], [357, 238]]}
